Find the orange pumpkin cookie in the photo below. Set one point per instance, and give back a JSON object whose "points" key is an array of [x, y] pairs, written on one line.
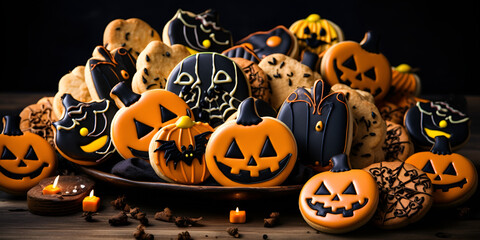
{"points": [[38, 118], [405, 194], [339, 200], [358, 65], [177, 151], [397, 145], [251, 151], [141, 116], [405, 83], [453, 176], [25, 159]]}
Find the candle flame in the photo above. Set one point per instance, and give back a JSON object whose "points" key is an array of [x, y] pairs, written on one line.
{"points": [[55, 182], [236, 210], [91, 193]]}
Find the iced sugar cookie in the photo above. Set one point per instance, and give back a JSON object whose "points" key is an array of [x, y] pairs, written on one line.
{"points": [[259, 82], [38, 118], [276, 40], [251, 151], [340, 200], [141, 116], [177, 151], [397, 145], [74, 84], [198, 32]]}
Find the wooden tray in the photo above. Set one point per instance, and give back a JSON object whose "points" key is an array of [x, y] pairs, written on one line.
{"points": [[231, 193]]}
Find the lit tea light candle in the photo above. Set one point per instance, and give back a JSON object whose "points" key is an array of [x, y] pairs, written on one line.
{"points": [[91, 203], [238, 216], [52, 188]]}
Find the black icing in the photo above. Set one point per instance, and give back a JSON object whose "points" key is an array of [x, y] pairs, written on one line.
{"points": [[125, 94], [247, 113], [371, 43], [322, 211], [20, 176], [340, 163], [12, 125], [259, 41]]}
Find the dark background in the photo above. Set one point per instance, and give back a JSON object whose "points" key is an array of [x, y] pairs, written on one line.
{"points": [[47, 39]]}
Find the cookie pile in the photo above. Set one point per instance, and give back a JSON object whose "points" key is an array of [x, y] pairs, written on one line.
{"points": [[193, 104]]}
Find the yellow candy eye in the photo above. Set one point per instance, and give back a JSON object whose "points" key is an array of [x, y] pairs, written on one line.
{"points": [[206, 43], [83, 131], [319, 126], [443, 124]]}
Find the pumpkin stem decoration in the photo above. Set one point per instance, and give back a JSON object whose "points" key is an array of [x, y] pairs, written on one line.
{"points": [[248, 113], [442, 146], [124, 94], [340, 163], [12, 125], [370, 42]]}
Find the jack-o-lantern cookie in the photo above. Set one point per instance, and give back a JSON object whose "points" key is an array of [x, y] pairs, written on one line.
{"points": [[141, 116], [358, 65], [286, 74], [133, 34], [82, 135], [258, 79], [405, 193], [454, 177], [339, 200], [251, 151], [74, 84], [211, 84], [105, 69], [177, 151], [198, 32], [277, 40], [321, 123], [25, 159], [316, 34], [405, 83], [155, 63], [397, 145], [370, 128], [426, 120], [38, 118]]}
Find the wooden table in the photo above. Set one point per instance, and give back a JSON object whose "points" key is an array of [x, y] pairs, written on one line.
{"points": [[16, 222]]}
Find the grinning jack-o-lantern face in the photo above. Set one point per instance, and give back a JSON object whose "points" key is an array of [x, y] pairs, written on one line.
{"points": [[454, 177], [25, 159], [360, 66], [251, 151], [141, 116], [340, 198]]}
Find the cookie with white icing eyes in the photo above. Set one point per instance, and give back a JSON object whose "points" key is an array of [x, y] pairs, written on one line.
{"points": [[155, 63], [427, 120], [198, 32], [132, 34]]}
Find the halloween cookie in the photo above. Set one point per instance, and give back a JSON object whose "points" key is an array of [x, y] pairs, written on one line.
{"points": [[358, 65], [316, 34], [321, 123], [426, 120], [259, 82], [405, 194], [405, 83], [454, 177], [141, 116], [340, 200], [82, 135], [177, 151], [38, 118], [276, 40], [263, 109], [133, 34], [104, 70], [370, 128], [397, 145], [74, 84], [211, 84], [285, 75], [198, 32], [251, 151], [25, 159], [241, 51], [155, 63]]}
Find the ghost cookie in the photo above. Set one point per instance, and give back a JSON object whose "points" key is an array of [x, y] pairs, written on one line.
{"points": [[211, 84], [397, 145], [370, 131], [82, 135], [74, 84], [251, 151], [38, 118], [198, 32], [285, 75], [259, 82], [133, 34], [155, 63], [276, 40], [405, 194]]}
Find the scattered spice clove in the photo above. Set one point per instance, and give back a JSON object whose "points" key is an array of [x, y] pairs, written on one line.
{"points": [[165, 215], [272, 219], [233, 231], [184, 236], [119, 219], [119, 203], [140, 233], [88, 216], [186, 221]]}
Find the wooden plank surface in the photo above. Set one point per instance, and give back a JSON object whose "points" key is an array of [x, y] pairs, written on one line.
{"points": [[16, 222]]}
